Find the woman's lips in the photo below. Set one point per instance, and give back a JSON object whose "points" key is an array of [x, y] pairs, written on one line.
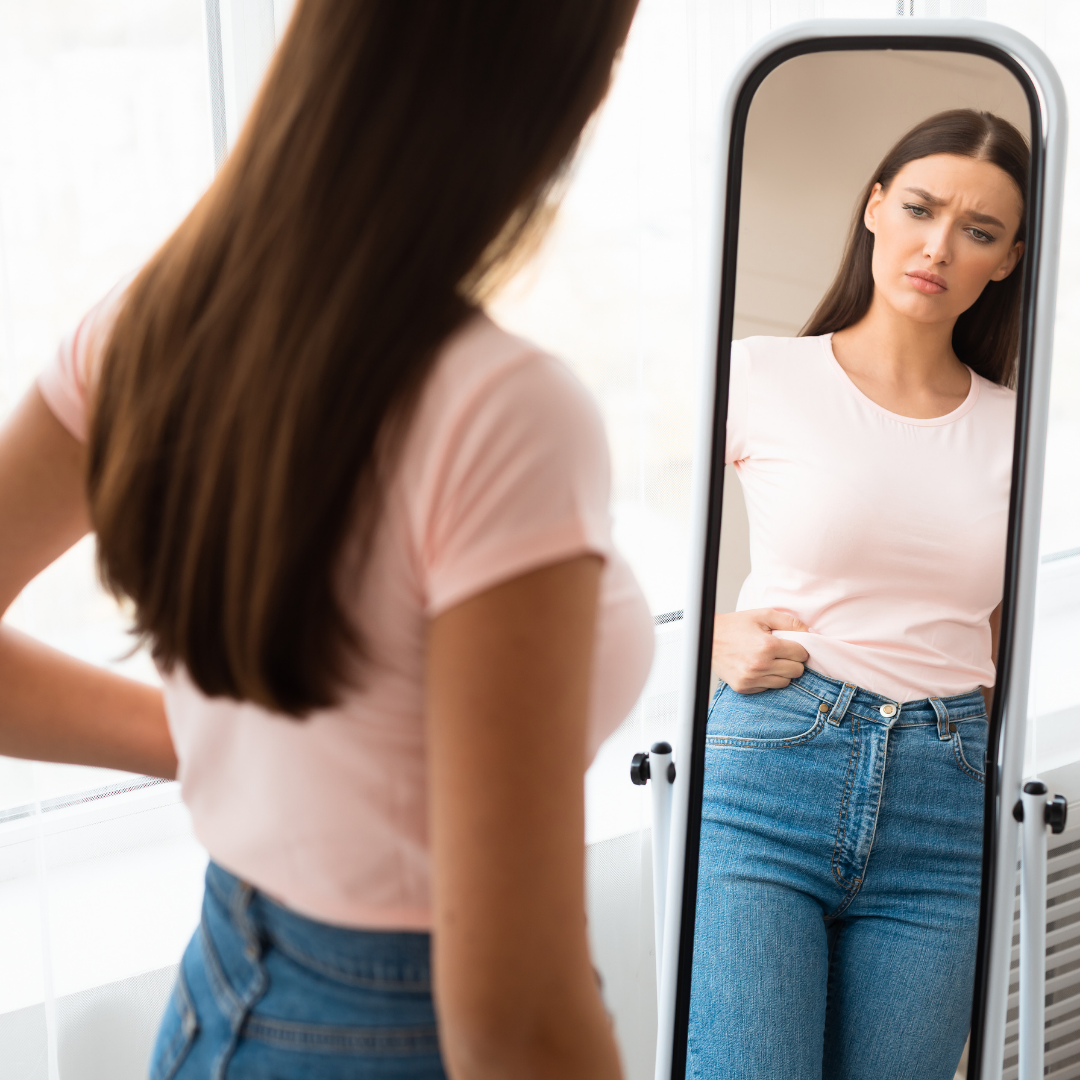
{"points": [[926, 282]]}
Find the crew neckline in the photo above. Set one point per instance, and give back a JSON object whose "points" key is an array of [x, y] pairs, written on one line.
{"points": [[914, 421]]}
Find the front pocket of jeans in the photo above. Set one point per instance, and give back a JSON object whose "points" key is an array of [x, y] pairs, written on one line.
{"points": [[969, 747], [773, 719], [179, 1026]]}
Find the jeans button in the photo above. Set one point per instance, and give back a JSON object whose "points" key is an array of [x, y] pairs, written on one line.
{"points": [[888, 709]]}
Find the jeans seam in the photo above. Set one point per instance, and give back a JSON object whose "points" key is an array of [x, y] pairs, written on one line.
{"points": [[235, 1007], [807, 691], [769, 744], [346, 1040], [962, 762], [849, 785], [226, 997], [851, 891], [180, 1044], [305, 960], [877, 814]]}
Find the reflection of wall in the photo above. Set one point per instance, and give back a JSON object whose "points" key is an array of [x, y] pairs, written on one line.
{"points": [[818, 127], [734, 546]]}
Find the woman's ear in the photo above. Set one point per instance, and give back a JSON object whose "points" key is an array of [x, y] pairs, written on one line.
{"points": [[1009, 264], [869, 214]]}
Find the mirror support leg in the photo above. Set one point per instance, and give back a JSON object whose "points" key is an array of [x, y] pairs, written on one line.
{"points": [[657, 765], [1036, 814], [1032, 931], [663, 774]]}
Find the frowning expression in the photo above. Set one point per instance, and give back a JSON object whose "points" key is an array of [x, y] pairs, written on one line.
{"points": [[943, 229]]}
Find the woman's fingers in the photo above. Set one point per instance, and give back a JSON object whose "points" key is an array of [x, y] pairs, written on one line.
{"points": [[772, 619], [749, 657], [789, 650], [787, 670]]}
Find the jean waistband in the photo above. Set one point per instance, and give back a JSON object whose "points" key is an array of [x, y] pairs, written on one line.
{"points": [[845, 697], [401, 958]]}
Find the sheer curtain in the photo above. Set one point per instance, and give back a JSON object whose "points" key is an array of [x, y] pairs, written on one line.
{"points": [[112, 115]]}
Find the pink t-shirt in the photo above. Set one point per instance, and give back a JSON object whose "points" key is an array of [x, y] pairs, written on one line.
{"points": [[505, 469], [884, 534]]}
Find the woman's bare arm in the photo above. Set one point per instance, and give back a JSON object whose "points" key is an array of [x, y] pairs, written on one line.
{"points": [[53, 707], [507, 691]]}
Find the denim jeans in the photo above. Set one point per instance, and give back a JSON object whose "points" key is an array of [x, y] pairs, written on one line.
{"points": [[838, 884], [265, 993]]}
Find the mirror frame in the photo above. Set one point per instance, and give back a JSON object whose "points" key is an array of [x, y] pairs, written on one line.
{"points": [[1005, 750]]}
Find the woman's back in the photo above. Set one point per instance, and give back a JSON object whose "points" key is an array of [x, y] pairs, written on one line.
{"points": [[504, 469]]}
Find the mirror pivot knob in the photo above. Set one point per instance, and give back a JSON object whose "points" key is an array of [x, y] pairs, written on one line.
{"points": [[639, 769], [1057, 810]]}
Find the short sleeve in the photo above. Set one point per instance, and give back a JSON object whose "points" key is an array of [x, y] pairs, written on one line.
{"points": [[65, 383], [523, 482], [738, 420]]}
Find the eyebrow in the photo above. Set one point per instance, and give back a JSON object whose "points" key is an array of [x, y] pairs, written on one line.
{"points": [[933, 200]]}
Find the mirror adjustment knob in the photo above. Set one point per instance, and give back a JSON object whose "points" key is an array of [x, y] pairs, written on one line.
{"points": [[639, 769], [1057, 810]]}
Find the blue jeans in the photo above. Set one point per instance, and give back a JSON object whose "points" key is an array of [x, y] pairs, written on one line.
{"points": [[265, 993], [838, 884]]}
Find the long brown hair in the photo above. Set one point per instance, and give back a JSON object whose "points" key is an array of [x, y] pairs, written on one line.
{"points": [[986, 336], [260, 364]]}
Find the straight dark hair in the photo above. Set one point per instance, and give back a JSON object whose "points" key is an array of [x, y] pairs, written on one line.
{"points": [[986, 336], [263, 365]]}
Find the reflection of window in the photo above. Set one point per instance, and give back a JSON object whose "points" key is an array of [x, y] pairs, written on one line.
{"points": [[104, 146]]}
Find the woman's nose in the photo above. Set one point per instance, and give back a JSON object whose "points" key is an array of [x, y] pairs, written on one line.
{"points": [[938, 248]]}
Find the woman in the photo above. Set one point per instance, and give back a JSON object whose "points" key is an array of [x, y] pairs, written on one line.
{"points": [[365, 533], [838, 894]]}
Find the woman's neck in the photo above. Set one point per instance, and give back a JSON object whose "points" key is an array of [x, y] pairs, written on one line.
{"points": [[904, 366]]}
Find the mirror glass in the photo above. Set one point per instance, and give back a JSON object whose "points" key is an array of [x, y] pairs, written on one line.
{"points": [[869, 447]]}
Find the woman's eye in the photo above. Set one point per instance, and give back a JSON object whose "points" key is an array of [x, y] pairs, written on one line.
{"points": [[983, 238], [916, 211]]}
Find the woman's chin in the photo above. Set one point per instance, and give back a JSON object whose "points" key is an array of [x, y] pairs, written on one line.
{"points": [[920, 308]]}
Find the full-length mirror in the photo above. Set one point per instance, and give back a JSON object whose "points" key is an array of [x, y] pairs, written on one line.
{"points": [[875, 297]]}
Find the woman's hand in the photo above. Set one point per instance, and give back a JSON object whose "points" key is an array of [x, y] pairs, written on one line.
{"points": [[507, 693], [749, 657]]}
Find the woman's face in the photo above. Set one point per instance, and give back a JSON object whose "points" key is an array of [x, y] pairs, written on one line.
{"points": [[942, 229]]}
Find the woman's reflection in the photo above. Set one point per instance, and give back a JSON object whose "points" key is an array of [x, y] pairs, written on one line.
{"points": [[841, 836]]}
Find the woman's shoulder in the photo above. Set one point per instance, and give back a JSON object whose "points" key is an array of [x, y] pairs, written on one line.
{"points": [[783, 364], [66, 382], [777, 350], [483, 369], [994, 400], [995, 391], [506, 464]]}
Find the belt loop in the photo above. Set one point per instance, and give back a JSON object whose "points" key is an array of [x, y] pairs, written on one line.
{"points": [[842, 703], [240, 910], [942, 718]]}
